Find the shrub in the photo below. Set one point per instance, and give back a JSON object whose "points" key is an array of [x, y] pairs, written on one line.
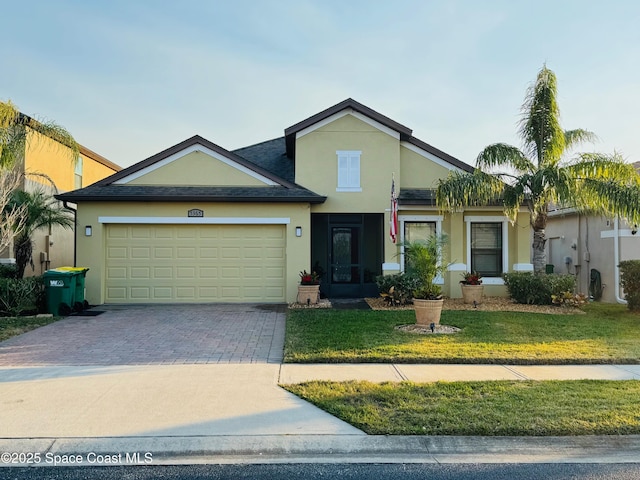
{"points": [[569, 299], [18, 296], [397, 289], [537, 289], [8, 270], [630, 282]]}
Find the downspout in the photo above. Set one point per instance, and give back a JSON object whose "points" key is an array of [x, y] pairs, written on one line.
{"points": [[616, 258], [75, 228]]}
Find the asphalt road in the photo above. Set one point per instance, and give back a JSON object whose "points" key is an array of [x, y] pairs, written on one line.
{"points": [[341, 471]]}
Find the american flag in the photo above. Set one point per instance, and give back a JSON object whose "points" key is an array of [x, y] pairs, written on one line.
{"points": [[393, 227]]}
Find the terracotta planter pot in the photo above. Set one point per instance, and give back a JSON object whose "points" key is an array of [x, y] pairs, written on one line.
{"points": [[472, 294], [428, 311], [308, 294]]}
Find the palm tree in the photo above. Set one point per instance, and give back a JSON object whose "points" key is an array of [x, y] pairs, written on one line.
{"points": [[16, 132], [39, 210], [542, 174]]}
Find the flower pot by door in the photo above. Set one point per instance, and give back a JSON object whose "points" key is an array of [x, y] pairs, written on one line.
{"points": [[428, 311], [308, 294], [472, 294]]}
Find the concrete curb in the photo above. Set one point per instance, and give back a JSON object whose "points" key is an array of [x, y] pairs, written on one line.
{"points": [[322, 449]]}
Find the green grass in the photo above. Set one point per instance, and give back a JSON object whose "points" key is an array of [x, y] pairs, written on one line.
{"points": [[523, 408], [605, 334], [12, 326]]}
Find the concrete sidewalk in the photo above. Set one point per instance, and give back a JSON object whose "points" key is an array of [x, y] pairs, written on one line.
{"points": [[298, 373], [237, 413]]}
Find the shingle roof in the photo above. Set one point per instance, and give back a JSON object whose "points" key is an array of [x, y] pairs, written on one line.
{"points": [[290, 133], [405, 133], [195, 140], [160, 193], [272, 156], [417, 196]]}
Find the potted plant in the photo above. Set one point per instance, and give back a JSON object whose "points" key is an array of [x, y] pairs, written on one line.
{"points": [[309, 288], [472, 288], [423, 261]]}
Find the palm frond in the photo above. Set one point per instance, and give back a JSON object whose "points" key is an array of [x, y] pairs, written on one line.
{"points": [[540, 124], [608, 197], [578, 136], [14, 135], [460, 190], [503, 155], [602, 166]]}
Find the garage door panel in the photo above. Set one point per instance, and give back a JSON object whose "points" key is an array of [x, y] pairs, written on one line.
{"points": [[186, 272], [140, 293], [208, 272], [141, 272], [208, 252], [162, 272], [195, 263], [142, 253], [186, 253], [162, 252]]}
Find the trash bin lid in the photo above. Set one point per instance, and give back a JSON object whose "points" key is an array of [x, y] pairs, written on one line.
{"points": [[72, 269], [56, 272]]}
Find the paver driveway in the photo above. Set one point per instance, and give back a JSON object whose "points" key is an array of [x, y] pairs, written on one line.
{"points": [[156, 335]]}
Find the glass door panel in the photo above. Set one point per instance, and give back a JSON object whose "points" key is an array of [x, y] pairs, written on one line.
{"points": [[345, 255]]}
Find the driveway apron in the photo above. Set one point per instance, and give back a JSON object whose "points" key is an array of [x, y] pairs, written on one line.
{"points": [[155, 371], [155, 335]]}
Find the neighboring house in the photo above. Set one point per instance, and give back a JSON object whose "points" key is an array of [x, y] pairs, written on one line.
{"points": [[579, 244], [198, 223], [44, 155]]}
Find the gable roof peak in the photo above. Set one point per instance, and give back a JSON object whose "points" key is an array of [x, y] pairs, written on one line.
{"points": [[184, 145], [349, 103]]}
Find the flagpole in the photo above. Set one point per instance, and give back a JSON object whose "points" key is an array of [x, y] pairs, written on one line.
{"points": [[393, 217]]}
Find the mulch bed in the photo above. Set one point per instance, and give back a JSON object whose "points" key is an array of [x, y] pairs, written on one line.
{"points": [[489, 304]]}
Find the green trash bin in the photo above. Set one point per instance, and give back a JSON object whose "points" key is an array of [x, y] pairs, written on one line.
{"points": [[549, 268], [60, 289], [80, 274]]}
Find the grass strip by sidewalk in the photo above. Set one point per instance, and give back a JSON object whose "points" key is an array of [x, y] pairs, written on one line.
{"points": [[12, 326], [494, 408], [606, 334]]}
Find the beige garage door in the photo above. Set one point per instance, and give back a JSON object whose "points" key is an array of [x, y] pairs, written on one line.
{"points": [[195, 263]]}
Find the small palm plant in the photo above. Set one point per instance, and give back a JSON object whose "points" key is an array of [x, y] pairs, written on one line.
{"points": [[423, 260]]}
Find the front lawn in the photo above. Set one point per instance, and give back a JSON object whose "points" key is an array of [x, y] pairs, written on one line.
{"points": [[526, 408], [605, 334], [12, 326]]}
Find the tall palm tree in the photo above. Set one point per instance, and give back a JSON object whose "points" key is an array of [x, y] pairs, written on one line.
{"points": [[542, 173], [16, 132], [39, 210]]}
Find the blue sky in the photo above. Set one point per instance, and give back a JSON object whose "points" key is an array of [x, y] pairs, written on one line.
{"points": [[131, 78]]}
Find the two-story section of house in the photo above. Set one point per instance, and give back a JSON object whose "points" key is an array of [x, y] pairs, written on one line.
{"points": [[48, 165], [198, 223]]}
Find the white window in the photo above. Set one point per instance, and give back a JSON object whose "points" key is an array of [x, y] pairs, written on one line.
{"points": [[348, 171], [487, 253], [416, 228], [78, 173]]}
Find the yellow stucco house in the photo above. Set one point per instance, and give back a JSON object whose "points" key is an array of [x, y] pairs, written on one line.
{"points": [[198, 223], [44, 155]]}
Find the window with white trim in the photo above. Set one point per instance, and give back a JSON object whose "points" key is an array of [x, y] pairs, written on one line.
{"points": [[417, 228], [348, 171], [77, 174], [487, 248]]}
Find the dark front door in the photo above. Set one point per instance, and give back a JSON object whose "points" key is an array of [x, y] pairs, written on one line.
{"points": [[345, 268], [347, 248]]}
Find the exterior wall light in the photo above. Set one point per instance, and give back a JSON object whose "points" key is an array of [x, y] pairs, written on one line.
{"points": [[88, 231], [298, 231]]}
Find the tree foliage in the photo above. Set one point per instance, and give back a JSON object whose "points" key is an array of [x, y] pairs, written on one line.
{"points": [[39, 210], [543, 173]]}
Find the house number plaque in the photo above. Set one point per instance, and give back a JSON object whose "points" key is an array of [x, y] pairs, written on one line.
{"points": [[195, 212]]}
